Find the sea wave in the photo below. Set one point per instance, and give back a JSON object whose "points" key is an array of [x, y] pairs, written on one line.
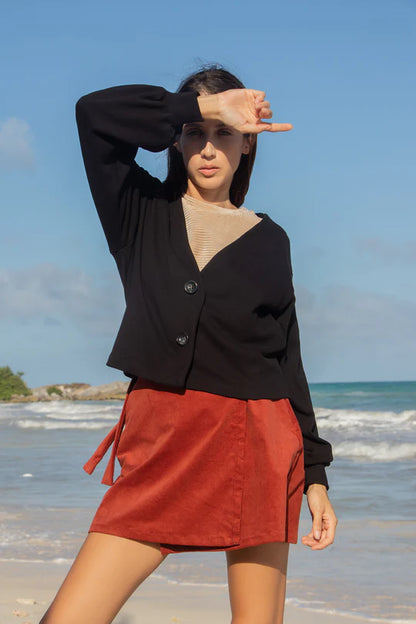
{"points": [[70, 407], [376, 451], [61, 415], [51, 424], [82, 416], [351, 420]]}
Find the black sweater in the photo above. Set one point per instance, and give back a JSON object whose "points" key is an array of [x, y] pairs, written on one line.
{"points": [[229, 329]]}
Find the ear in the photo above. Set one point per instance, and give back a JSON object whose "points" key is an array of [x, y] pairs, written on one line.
{"points": [[178, 147], [246, 144]]}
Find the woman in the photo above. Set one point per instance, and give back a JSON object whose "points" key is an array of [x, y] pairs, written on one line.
{"points": [[217, 440]]}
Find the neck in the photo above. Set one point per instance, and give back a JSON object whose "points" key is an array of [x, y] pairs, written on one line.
{"points": [[214, 196]]}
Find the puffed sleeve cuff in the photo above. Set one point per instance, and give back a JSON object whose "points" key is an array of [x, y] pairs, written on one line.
{"points": [[315, 474], [183, 107]]}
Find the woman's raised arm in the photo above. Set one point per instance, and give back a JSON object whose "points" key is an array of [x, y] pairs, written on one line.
{"points": [[112, 124]]}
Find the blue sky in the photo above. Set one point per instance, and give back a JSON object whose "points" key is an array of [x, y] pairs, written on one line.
{"points": [[341, 182]]}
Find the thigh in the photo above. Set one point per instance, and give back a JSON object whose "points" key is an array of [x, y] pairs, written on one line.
{"points": [[257, 583], [105, 573]]}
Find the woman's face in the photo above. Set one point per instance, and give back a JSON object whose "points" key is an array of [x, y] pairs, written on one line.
{"points": [[211, 153]]}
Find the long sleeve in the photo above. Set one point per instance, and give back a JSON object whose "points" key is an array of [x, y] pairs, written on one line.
{"points": [[317, 451], [112, 124]]}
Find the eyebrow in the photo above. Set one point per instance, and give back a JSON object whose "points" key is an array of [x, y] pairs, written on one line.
{"points": [[220, 124]]}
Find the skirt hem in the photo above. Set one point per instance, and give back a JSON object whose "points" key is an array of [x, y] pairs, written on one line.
{"points": [[167, 547]]}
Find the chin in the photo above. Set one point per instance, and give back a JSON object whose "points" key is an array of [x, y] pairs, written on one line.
{"points": [[210, 184]]}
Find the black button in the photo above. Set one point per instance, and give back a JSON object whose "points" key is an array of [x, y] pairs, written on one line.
{"points": [[190, 287], [182, 339]]}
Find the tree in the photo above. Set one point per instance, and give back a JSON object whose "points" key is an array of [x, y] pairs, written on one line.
{"points": [[11, 383], [54, 390]]}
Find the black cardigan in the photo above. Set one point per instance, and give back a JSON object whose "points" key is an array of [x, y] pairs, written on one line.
{"points": [[229, 328]]}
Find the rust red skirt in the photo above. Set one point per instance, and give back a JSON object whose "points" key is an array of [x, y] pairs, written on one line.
{"points": [[201, 471]]}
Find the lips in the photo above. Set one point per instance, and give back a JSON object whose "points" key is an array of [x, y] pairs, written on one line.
{"points": [[208, 170]]}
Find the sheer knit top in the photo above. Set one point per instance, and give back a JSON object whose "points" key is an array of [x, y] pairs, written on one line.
{"points": [[210, 228]]}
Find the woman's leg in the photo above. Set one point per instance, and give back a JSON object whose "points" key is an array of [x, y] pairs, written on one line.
{"points": [[105, 573], [257, 583]]}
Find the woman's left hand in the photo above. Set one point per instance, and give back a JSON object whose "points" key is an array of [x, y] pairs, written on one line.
{"points": [[324, 520]]}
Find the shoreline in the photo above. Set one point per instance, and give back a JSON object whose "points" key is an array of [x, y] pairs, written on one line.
{"points": [[28, 588], [115, 390]]}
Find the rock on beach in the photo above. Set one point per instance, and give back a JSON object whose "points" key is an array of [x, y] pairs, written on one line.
{"points": [[75, 392]]}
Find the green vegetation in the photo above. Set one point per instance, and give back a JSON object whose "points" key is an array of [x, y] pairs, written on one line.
{"points": [[54, 390], [11, 383]]}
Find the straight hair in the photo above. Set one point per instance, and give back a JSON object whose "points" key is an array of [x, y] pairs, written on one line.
{"points": [[210, 79]]}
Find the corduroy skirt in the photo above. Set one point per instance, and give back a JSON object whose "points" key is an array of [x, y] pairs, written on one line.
{"points": [[201, 471]]}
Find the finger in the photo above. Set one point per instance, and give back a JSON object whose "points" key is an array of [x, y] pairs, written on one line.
{"points": [[308, 539], [327, 538], [317, 526], [265, 126], [263, 104], [313, 544], [312, 540], [279, 127], [258, 95], [323, 543], [265, 113], [330, 529]]}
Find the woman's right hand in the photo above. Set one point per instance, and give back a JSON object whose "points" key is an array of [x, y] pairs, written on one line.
{"points": [[242, 109]]}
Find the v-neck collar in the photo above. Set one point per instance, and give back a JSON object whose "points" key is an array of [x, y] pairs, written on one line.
{"points": [[180, 239]]}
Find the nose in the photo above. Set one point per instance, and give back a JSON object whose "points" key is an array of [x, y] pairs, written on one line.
{"points": [[208, 151]]}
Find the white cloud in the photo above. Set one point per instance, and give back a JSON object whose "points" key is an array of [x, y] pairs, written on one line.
{"points": [[387, 251], [349, 334], [16, 144], [53, 295]]}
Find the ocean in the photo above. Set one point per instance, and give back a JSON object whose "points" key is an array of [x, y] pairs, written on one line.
{"points": [[47, 501]]}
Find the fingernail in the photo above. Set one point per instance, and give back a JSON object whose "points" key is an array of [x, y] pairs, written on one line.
{"points": [[317, 534]]}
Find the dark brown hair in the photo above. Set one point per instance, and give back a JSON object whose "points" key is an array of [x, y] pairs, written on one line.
{"points": [[210, 79]]}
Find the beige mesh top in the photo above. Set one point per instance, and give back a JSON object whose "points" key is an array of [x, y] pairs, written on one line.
{"points": [[210, 228]]}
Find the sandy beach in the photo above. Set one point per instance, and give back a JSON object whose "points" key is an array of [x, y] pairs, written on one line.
{"points": [[27, 589]]}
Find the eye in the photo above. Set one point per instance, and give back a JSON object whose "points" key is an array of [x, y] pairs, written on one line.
{"points": [[224, 132], [193, 132]]}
